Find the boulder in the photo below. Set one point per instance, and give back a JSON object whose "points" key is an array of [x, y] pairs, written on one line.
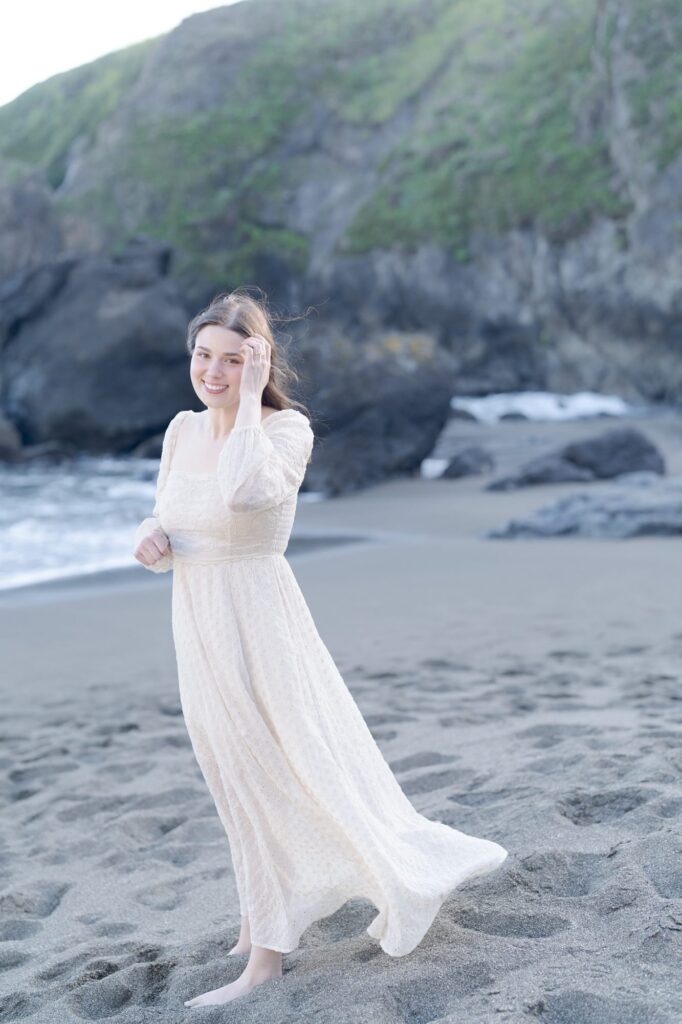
{"points": [[617, 451], [92, 349], [621, 450], [378, 407], [626, 511], [469, 461], [545, 469]]}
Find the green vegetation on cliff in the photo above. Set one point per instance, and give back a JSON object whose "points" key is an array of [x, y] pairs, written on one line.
{"points": [[501, 142], [655, 36], [462, 116], [39, 127]]}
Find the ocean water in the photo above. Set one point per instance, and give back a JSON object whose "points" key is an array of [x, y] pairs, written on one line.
{"points": [[80, 517], [543, 405], [75, 518], [534, 406]]}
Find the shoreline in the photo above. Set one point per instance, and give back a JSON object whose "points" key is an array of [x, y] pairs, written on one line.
{"points": [[322, 524], [81, 584]]}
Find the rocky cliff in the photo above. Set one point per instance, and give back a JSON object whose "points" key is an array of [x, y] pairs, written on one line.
{"points": [[495, 187]]}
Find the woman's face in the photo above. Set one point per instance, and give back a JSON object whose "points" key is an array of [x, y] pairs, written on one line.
{"points": [[216, 360]]}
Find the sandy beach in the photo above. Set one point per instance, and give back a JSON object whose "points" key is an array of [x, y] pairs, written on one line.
{"points": [[525, 691]]}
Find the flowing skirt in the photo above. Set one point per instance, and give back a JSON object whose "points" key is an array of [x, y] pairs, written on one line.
{"points": [[313, 814]]}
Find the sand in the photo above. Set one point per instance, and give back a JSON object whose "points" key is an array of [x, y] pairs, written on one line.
{"points": [[526, 691]]}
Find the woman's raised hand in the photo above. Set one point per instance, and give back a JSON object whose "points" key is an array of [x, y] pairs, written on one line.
{"points": [[256, 368], [152, 547]]}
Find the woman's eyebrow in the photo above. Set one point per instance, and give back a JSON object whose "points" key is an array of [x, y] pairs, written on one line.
{"points": [[204, 349]]}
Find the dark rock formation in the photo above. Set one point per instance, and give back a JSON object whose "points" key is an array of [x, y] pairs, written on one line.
{"points": [[462, 414], [92, 350], [469, 461], [621, 450], [637, 508], [374, 417], [30, 227], [617, 451], [93, 354]]}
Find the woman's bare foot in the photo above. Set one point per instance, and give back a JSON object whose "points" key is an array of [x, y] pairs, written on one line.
{"points": [[264, 965], [244, 941]]}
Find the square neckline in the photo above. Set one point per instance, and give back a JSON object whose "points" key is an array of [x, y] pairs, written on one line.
{"points": [[213, 472]]}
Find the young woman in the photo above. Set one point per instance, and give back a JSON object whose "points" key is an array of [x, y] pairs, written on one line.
{"points": [[312, 811]]}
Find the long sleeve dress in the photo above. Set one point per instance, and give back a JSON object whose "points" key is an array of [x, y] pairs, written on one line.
{"points": [[312, 812]]}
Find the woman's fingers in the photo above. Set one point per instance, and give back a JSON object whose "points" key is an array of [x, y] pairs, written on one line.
{"points": [[257, 345], [256, 351], [160, 538], [152, 547]]}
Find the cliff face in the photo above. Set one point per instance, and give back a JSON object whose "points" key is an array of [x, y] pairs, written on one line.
{"points": [[506, 177]]}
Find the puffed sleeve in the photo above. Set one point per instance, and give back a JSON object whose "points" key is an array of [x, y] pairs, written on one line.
{"points": [[262, 465], [151, 523]]}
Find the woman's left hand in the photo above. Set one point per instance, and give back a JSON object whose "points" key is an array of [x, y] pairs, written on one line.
{"points": [[255, 351]]}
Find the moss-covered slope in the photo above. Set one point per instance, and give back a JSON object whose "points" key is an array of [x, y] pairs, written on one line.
{"points": [[462, 116]]}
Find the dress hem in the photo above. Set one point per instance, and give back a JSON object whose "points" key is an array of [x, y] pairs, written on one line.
{"points": [[377, 928]]}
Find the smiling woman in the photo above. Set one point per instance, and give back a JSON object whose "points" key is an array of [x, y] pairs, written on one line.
{"points": [[218, 341], [213, 370], [312, 811], [211, 376]]}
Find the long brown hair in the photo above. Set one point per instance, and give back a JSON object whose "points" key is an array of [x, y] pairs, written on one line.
{"points": [[238, 311]]}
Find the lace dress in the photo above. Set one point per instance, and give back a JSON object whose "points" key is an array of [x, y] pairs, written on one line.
{"points": [[312, 812]]}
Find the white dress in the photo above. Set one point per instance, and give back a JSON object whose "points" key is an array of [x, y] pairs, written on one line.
{"points": [[313, 814]]}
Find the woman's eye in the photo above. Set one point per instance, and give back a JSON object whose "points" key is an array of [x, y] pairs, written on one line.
{"points": [[204, 355]]}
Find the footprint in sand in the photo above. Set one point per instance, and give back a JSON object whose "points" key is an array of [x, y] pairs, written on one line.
{"points": [[599, 808], [104, 989], [522, 926], [577, 1007], [562, 873], [422, 759], [35, 899], [660, 856], [425, 999], [551, 734], [431, 782]]}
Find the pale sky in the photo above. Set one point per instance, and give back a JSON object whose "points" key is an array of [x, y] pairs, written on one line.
{"points": [[40, 38]]}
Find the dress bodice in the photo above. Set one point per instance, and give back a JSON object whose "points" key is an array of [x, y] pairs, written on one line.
{"points": [[201, 528], [245, 508]]}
